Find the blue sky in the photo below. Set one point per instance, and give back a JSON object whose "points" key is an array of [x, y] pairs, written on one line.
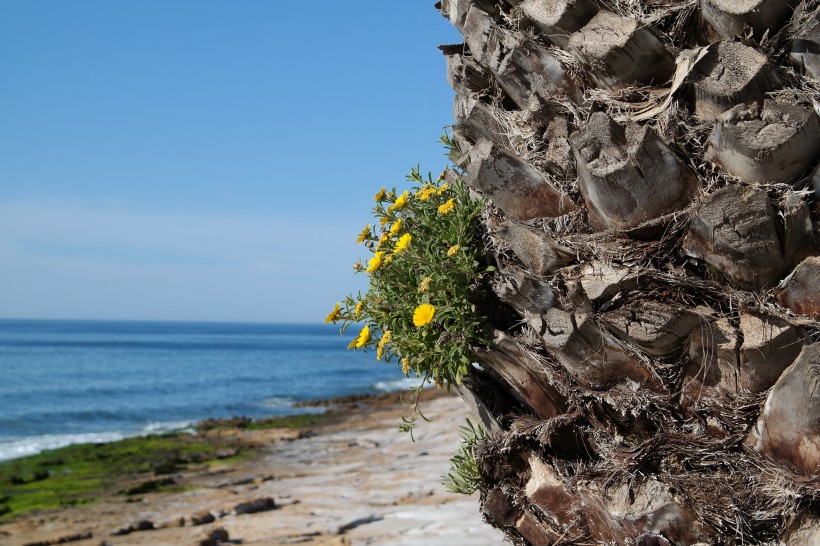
{"points": [[205, 160]]}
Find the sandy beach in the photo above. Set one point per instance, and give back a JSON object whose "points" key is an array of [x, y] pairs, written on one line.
{"points": [[355, 480]]}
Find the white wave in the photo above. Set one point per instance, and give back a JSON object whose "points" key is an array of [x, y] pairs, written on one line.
{"points": [[169, 426], [400, 384], [14, 448], [277, 402], [32, 445]]}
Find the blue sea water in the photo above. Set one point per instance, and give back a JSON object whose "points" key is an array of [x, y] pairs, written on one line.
{"points": [[64, 382]]}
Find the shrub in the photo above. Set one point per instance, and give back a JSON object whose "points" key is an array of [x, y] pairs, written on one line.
{"points": [[465, 473], [426, 278]]}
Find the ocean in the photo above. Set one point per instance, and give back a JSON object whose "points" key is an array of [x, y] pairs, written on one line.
{"points": [[65, 382]]}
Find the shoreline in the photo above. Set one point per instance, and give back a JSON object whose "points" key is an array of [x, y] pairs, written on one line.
{"points": [[308, 478], [297, 408]]}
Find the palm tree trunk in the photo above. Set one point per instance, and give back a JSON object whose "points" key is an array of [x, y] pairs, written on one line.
{"points": [[649, 169]]}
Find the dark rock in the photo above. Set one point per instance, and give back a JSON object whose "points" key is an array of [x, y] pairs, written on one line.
{"points": [[254, 506], [359, 522], [202, 518], [215, 538], [62, 540], [141, 525]]}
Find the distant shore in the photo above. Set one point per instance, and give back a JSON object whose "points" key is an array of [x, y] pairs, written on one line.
{"points": [[300, 478]]}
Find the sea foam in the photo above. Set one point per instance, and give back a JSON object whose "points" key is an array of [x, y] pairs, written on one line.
{"points": [[13, 448], [399, 384]]}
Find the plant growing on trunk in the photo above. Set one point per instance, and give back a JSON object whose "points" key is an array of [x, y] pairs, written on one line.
{"points": [[426, 282]]}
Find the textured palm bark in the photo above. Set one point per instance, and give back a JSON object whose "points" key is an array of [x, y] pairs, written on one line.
{"points": [[654, 374]]}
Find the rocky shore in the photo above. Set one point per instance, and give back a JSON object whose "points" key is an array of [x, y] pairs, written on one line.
{"points": [[350, 479]]}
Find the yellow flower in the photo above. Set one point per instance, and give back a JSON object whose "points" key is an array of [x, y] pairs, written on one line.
{"points": [[364, 234], [382, 240], [383, 220], [444, 187], [423, 314], [425, 285], [359, 307], [442, 176], [375, 262], [453, 250], [395, 228], [362, 339], [382, 343], [334, 315], [387, 260], [403, 242], [425, 193], [448, 206], [405, 366], [400, 202], [380, 195]]}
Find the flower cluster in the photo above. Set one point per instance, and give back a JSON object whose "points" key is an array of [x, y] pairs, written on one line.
{"points": [[425, 280]]}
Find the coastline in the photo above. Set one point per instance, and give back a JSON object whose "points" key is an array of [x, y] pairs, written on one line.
{"points": [[347, 477]]}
